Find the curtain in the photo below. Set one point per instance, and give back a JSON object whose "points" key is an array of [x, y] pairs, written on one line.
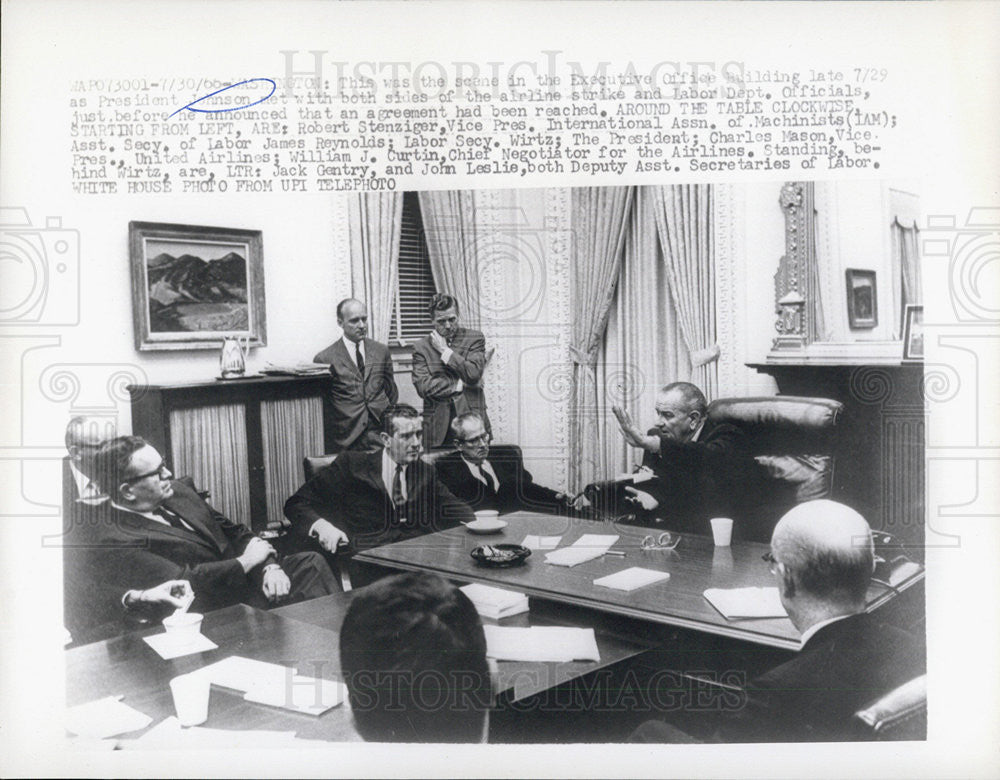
{"points": [[375, 219], [600, 222], [209, 443], [684, 224], [449, 219], [643, 348], [905, 271], [292, 428]]}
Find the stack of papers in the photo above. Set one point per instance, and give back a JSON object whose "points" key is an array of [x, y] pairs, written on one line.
{"points": [[586, 548], [495, 603], [541, 643], [275, 685], [104, 718], [737, 603], [630, 579], [298, 369]]}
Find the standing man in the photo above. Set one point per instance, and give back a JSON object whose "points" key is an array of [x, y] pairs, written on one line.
{"points": [[366, 499], [448, 367], [363, 386]]}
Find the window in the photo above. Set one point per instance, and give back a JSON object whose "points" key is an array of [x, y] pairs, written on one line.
{"points": [[416, 282]]}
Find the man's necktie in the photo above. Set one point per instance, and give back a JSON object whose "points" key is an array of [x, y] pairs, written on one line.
{"points": [[359, 356], [486, 478], [171, 517], [397, 487]]}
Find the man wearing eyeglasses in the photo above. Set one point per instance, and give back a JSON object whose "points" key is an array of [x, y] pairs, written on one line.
{"points": [[822, 560], [488, 477], [154, 528]]}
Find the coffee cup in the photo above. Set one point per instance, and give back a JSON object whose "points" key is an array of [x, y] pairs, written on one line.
{"points": [[487, 514], [191, 693], [722, 531], [183, 624]]}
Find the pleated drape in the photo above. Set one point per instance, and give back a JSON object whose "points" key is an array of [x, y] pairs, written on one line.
{"points": [[905, 271], [643, 348], [600, 221], [449, 219], [684, 223], [375, 219], [292, 428], [209, 443]]}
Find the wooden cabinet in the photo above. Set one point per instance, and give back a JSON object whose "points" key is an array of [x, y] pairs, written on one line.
{"points": [[243, 440]]}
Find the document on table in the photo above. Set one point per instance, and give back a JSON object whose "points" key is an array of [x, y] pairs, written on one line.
{"points": [[737, 603], [242, 674], [541, 643], [586, 548], [104, 718], [495, 603], [534, 542], [632, 578], [308, 695]]}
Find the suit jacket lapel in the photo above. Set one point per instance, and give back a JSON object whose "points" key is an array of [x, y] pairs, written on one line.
{"points": [[369, 358], [192, 518], [346, 358], [145, 526]]}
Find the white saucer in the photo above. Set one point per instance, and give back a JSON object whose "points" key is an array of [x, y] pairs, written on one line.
{"points": [[486, 525]]}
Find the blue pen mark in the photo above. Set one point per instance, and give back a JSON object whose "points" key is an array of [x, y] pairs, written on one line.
{"points": [[189, 106]]}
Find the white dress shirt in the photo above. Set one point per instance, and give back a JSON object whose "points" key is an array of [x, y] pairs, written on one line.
{"points": [[389, 473], [487, 468], [350, 345]]}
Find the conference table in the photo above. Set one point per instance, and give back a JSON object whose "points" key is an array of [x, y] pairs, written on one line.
{"points": [[694, 566], [304, 636]]}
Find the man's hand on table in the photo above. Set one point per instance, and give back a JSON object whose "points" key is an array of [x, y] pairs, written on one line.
{"points": [[647, 501]]}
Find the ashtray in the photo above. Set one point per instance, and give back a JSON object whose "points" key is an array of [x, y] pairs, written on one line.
{"points": [[500, 555]]}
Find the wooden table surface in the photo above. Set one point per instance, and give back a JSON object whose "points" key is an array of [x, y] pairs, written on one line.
{"points": [[616, 641], [125, 665], [694, 566]]}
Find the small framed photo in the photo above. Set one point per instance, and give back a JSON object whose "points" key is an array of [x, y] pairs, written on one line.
{"points": [[862, 300], [913, 333], [192, 286]]}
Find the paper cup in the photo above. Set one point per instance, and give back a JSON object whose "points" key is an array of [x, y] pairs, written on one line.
{"points": [[722, 531], [190, 692], [183, 624]]}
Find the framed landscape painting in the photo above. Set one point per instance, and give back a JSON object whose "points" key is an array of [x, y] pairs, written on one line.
{"points": [[862, 300], [192, 286]]}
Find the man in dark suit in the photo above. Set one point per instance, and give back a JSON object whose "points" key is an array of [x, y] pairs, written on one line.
{"points": [[487, 477], [154, 528], [448, 367], [822, 557], [703, 470], [363, 386], [366, 499]]}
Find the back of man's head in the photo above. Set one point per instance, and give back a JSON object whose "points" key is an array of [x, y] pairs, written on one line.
{"points": [[84, 435], [826, 552], [413, 656]]}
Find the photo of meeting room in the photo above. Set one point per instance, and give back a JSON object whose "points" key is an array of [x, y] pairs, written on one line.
{"points": [[599, 464]]}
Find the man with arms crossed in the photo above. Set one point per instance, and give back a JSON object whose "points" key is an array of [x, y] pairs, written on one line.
{"points": [[448, 367]]}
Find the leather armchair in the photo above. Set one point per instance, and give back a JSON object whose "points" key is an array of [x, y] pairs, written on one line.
{"points": [[899, 715], [794, 440]]}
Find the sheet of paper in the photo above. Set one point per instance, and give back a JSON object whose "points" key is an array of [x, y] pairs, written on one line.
{"points": [[586, 548], [243, 674], [541, 643], [175, 646], [309, 695], [105, 718], [490, 596], [632, 578], [736, 603], [535, 542]]}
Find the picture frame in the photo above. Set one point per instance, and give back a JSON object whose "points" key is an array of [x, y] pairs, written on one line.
{"points": [[913, 332], [862, 299], [193, 286]]}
